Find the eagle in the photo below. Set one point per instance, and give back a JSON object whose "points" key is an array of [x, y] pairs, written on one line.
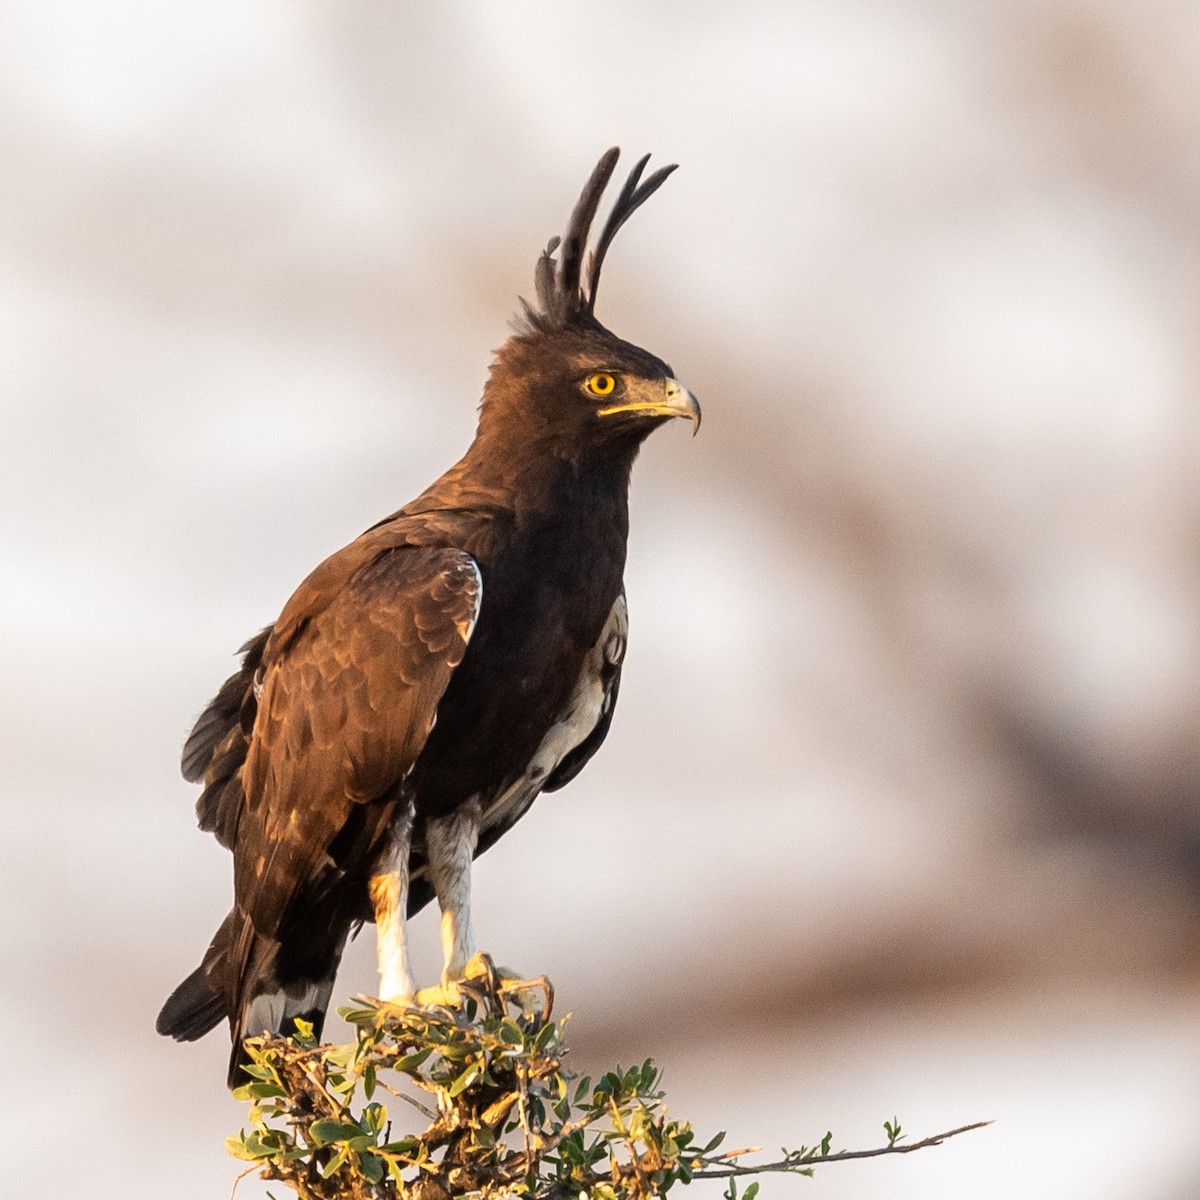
{"points": [[428, 681]]}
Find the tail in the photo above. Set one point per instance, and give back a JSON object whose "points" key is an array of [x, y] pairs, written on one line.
{"points": [[275, 993], [192, 1009]]}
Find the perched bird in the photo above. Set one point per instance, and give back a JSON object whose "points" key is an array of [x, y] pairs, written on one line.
{"points": [[425, 683]]}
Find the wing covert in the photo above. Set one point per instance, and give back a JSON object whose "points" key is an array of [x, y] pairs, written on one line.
{"points": [[346, 704]]}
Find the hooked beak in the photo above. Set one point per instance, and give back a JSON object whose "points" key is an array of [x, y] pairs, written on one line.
{"points": [[673, 401]]}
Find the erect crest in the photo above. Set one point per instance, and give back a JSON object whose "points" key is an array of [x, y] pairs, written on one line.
{"points": [[566, 291]]}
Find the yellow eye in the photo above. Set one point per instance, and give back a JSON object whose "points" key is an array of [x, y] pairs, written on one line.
{"points": [[601, 384]]}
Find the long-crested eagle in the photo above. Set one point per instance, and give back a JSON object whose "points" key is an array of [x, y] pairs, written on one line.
{"points": [[425, 683]]}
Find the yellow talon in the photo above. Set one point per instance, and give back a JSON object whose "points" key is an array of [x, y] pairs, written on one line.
{"points": [[441, 995], [482, 981]]}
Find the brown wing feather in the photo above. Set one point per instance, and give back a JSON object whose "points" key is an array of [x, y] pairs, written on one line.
{"points": [[351, 682], [216, 747], [223, 713]]}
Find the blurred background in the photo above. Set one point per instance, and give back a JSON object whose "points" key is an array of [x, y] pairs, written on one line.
{"points": [[898, 816]]}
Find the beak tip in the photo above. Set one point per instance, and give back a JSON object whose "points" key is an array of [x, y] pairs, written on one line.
{"points": [[685, 404]]}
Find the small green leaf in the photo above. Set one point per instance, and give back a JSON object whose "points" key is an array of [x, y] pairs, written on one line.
{"points": [[335, 1163], [236, 1146], [464, 1081], [372, 1167], [256, 1071], [648, 1075], [326, 1131], [359, 1016], [403, 1146], [410, 1062]]}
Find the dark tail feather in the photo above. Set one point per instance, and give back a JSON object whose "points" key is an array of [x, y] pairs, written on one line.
{"points": [[191, 1010], [244, 978]]}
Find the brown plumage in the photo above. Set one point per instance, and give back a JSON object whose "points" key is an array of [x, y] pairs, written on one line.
{"points": [[426, 682]]}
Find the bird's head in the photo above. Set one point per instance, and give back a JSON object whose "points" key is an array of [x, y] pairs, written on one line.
{"points": [[564, 380]]}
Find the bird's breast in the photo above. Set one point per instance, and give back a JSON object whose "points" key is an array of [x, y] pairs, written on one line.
{"points": [[516, 701]]}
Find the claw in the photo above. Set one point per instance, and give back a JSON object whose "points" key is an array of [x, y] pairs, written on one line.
{"points": [[482, 968], [533, 997], [478, 981], [441, 995], [494, 988]]}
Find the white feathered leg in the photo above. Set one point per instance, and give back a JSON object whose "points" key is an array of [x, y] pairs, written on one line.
{"points": [[389, 895], [450, 845]]}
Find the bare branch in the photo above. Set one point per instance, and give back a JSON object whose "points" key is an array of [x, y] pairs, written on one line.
{"points": [[816, 1160]]}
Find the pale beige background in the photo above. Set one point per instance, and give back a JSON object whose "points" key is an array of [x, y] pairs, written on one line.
{"points": [[899, 811]]}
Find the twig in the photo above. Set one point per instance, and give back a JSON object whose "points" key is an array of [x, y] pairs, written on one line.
{"points": [[425, 1110], [801, 1164], [308, 1067], [248, 1171]]}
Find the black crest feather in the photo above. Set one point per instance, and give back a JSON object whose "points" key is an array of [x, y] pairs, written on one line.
{"points": [[566, 293]]}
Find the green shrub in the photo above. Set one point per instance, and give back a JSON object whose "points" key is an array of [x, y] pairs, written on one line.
{"points": [[498, 1113]]}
